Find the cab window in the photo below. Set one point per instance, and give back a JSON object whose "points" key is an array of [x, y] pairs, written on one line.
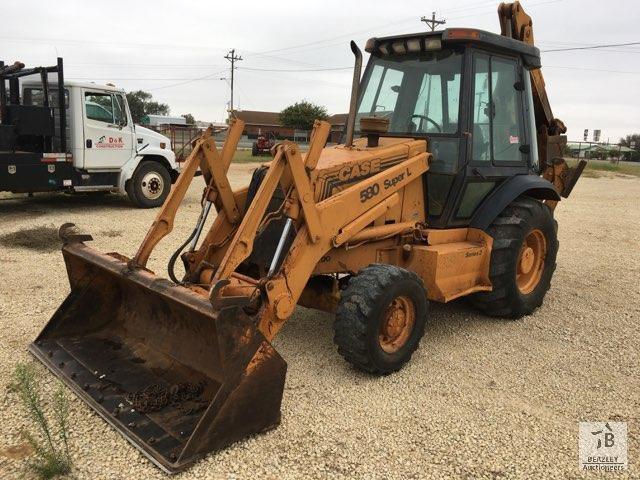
{"points": [[35, 97], [100, 107], [419, 94], [119, 111], [497, 126]]}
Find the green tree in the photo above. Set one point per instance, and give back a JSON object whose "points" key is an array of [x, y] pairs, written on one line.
{"points": [[627, 140], [301, 115], [189, 118], [141, 103]]}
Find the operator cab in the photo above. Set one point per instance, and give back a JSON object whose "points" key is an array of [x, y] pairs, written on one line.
{"points": [[468, 93]]}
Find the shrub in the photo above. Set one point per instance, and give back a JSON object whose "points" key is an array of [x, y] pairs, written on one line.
{"points": [[51, 446]]}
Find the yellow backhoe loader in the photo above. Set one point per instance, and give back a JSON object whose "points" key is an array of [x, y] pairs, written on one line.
{"points": [[447, 191]]}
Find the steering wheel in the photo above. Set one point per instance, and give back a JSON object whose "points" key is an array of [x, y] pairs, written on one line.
{"points": [[428, 119]]}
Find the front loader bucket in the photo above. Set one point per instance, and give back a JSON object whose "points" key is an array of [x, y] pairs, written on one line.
{"points": [[175, 377]]}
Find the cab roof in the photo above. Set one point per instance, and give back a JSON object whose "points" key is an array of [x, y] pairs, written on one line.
{"points": [[433, 41], [54, 85]]}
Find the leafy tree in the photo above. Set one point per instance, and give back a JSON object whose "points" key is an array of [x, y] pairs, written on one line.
{"points": [[301, 115], [189, 118], [141, 103], [626, 141]]}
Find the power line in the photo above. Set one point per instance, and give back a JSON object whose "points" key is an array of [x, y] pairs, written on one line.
{"points": [[141, 65], [71, 41], [327, 69], [386, 26], [590, 47], [330, 39], [591, 69], [71, 77], [188, 81]]}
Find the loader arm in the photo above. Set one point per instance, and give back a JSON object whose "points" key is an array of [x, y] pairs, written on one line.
{"points": [[218, 191], [320, 226], [516, 24]]}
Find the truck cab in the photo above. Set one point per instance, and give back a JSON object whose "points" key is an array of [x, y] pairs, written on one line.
{"points": [[102, 149]]}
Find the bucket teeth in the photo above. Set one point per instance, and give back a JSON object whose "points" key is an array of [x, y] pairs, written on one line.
{"points": [[177, 378]]}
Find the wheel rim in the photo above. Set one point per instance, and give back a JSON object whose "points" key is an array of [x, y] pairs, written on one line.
{"points": [[397, 324], [531, 261], [152, 185]]}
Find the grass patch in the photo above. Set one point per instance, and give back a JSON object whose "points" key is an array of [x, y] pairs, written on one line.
{"points": [[591, 173], [595, 166], [51, 446], [40, 239], [244, 156]]}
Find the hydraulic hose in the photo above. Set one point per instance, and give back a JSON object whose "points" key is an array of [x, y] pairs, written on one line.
{"points": [[195, 234]]}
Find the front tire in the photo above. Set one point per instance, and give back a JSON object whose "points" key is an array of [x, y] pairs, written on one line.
{"points": [[523, 259], [381, 318], [150, 185]]}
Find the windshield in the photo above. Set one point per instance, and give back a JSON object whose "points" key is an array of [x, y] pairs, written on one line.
{"points": [[419, 95]]}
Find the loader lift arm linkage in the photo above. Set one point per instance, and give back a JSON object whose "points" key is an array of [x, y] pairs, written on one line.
{"points": [[320, 226]]}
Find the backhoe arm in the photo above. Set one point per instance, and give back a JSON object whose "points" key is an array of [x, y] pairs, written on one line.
{"points": [[516, 24]]}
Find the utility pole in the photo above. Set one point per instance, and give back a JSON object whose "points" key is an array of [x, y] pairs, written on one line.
{"points": [[233, 58], [432, 22]]}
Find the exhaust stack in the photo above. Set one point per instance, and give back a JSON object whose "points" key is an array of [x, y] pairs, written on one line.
{"points": [[357, 69]]}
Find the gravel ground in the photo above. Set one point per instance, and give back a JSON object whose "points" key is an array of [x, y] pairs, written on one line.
{"points": [[481, 398]]}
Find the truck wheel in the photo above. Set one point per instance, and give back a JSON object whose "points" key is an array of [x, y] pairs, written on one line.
{"points": [[254, 150], [523, 258], [380, 318], [150, 185]]}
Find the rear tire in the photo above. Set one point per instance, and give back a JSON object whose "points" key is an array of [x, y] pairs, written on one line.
{"points": [[380, 318], [150, 185], [523, 259]]}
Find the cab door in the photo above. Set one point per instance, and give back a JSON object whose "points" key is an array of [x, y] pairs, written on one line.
{"points": [[499, 144], [108, 130]]}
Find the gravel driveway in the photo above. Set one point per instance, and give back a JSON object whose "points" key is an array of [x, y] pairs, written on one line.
{"points": [[481, 398]]}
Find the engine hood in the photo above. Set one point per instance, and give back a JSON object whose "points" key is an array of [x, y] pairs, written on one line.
{"points": [[150, 137], [340, 167]]}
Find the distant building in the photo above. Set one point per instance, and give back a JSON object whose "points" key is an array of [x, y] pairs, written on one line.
{"points": [[217, 126], [338, 123], [257, 122], [155, 120]]}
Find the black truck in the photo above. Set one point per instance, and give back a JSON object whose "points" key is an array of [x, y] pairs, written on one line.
{"points": [[33, 140]]}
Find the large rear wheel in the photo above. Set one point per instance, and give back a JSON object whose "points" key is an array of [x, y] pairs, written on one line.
{"points": [[523, 259], [381, 318]]}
